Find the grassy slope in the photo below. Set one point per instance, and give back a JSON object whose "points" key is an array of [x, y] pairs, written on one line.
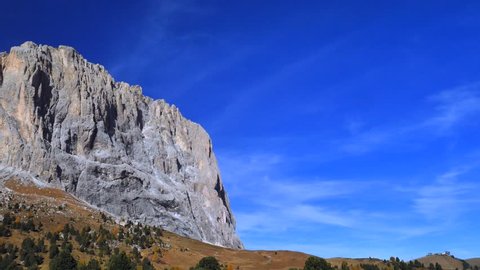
{"points": [[474, 261], [447, 262]]}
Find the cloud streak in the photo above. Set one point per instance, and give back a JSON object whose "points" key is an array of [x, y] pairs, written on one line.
{"points": [[282, 203], [447, 197], [368, 211], [455, 106], [450, 109], [268, 83], [153, 42]]}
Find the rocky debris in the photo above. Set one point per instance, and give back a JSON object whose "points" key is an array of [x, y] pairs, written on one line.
{"points": [[65, 123]]}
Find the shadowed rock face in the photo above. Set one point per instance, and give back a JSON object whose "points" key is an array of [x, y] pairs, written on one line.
{"points": [[66, 122]]}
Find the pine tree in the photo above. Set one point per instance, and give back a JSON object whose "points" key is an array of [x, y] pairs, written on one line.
{"points": [[63, 261], [120, 261], [92, 265], [53, 251], [136, 254], [147, 265]]}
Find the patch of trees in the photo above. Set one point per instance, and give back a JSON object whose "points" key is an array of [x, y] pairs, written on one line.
{"points": [[11, 222], [147, 265], [140, 235], [8, 219], [466, 265], [25, 226], [5, 231], [345, 266], [120, 261], [91, 265], [63, 261], [317, 263], [29, 252], [435, 266], [8, 256], [99, 242], [85, 239], [415, 264], [368, 266], [207, 263], [398, 264], [89, 239]]}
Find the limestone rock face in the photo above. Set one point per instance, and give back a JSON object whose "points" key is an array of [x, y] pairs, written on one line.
{"points": [[67, 123]]}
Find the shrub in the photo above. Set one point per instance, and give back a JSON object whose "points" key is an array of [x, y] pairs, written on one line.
{"points": [[147, 265], [63, 261], [8, 219], [120, 261], [4, 231], [208, 263], [316, 263], [92, 265]]}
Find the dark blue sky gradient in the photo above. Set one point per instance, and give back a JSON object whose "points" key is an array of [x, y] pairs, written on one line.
{"points": [[343, 128]]}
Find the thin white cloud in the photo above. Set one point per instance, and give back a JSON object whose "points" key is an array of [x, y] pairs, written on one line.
{"points": [[316, 214], [282, 203], [248, 95], [314, 190], [447, 197], [277, 205], [455, 105], [288, 217], [450, 108], [152, 41]]}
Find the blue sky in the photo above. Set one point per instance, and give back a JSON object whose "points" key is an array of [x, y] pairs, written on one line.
{"points": [[342, 128]]}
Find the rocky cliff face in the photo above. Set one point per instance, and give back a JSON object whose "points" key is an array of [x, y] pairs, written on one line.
{"points": [[67, 123]]}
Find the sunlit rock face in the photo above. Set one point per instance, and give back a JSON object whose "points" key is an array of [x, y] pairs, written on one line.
{"points": [[67, 123]]}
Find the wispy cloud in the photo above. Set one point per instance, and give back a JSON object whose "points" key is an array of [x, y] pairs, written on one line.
{"points": [[153, 43], [455, 106], [247, 95], [447, 197], [281, 203], [371, 211], [368, 211], [273, 219], [449, 109]]}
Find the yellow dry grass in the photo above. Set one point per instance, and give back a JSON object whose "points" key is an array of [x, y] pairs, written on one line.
{"points": [[447, 262]]}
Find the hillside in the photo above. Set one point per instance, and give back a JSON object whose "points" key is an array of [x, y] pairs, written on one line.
{"points": [[447, 262], [474, 262], [54, 209], [40, 212]]}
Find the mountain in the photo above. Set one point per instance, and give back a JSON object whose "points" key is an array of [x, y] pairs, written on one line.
{"points": [[65, 123]]}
